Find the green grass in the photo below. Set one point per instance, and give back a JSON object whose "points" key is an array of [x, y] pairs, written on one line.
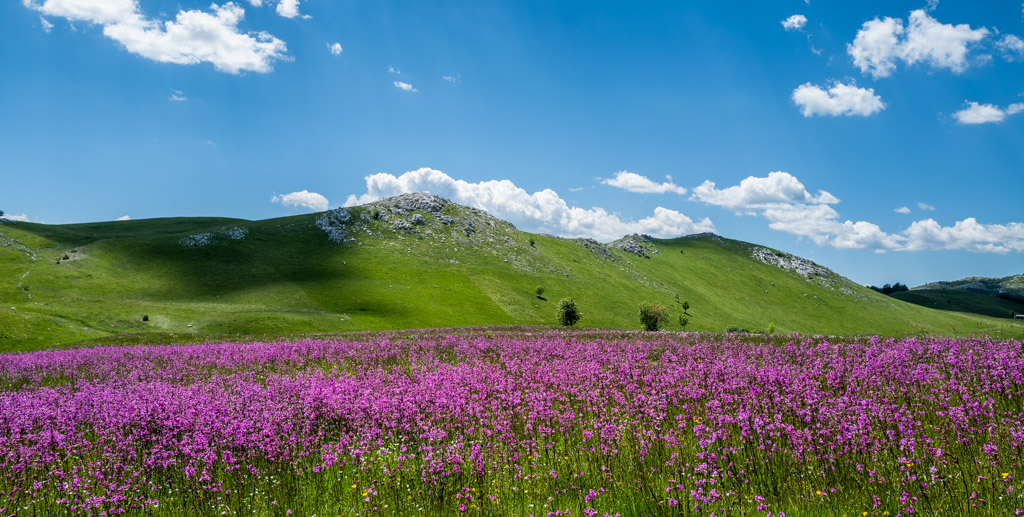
{"points": [[960, 301], [287, 278]]}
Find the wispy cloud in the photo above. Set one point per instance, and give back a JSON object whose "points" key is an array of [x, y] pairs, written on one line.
{"points": [[925, 207], [634, 182], [405, 86], [334, 48], [177, 96], [47, 26], [393, 70]]}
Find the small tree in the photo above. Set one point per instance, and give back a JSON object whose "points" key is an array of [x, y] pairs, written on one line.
{"points": [[686, 307], [533, 243], [653, 315], [540, 292], [683, 321], [568, 314]]}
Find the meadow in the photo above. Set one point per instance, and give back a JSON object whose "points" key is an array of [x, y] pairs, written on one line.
{"points": [[517, 422]]}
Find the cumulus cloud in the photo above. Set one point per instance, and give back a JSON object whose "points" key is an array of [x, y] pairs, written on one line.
{"points": [[177, 96], [542, 211], [634, 182], [193, 37], [288, 8], [16, 217], [839, 99], [788, 207], [1011, 47], [405, 86], [334, 48], [902, 210], [975, 113], [881, 43], [795, 22], [303, 199], [124, 218]]}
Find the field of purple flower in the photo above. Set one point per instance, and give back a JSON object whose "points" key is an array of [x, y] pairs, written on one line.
{"points": [[517, 423]]}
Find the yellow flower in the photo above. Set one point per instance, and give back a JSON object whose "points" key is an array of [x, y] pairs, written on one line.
{"points": [[1005, 475], [818, 492], [354, 485], [865, 514], [364, 494]]}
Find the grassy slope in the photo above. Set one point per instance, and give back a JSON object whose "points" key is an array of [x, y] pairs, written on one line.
{"points": [[960, 301], [286, 277]]}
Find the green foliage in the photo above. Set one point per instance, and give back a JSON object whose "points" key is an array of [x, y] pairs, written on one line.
{"points": [[568, 313], [683, 321], [533, 242], [686, 307], [540, 292], [653, 315], [771, 328], [889, 289]]}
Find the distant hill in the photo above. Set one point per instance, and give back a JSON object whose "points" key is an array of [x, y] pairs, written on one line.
{"points": [[407, 262], [982, 285], [961, 301]]}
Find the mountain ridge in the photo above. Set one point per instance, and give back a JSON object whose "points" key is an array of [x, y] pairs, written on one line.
{"points": [[411, 261]]}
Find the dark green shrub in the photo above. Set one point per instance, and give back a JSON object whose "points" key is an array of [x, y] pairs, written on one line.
{"points": [[653, 315], [568, 314]]}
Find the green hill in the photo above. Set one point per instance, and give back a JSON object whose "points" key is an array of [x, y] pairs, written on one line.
{"points": [[407, 262], [1013, 285], [960, 301]]}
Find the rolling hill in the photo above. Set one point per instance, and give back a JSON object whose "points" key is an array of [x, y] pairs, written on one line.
{"points": [[961, 301], [406, 262]]}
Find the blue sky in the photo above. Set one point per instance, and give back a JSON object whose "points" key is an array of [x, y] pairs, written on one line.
{"points": [[801, 126]]}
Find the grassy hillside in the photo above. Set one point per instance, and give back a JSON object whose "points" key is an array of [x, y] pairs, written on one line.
{"points": [[960, 301], [405, 263], [983, 285]]}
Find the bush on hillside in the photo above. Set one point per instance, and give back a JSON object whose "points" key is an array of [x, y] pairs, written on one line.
{"points": [[683, 321], [568, 314], [889, 289], [653, 315]]}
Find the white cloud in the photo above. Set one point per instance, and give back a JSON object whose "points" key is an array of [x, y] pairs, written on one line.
{"points": [[256, 3], [839, 99], [124, 218], [879, 44], [634, 182], [782, 200], [968, 235], [177, 96], [405, 86], [932, 5], [976, 113], [795, 22], [193, 37], [902, 210], [393, 70], [452, 79], [289, 8], [47, 26], [925, 207], [16, 217], [303, 199], [776, 191], [542, 211], [334, 48], [1012, 47]]}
